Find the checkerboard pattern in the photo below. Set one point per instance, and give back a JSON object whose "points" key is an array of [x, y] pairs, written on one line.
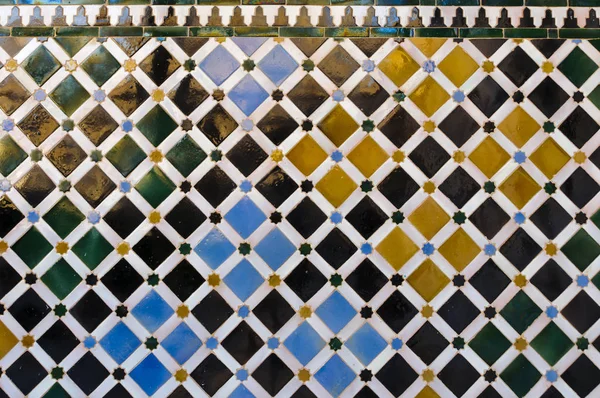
{"points": [[254, 217]]}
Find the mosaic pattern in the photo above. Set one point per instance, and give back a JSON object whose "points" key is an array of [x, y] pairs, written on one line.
{"points": [[299, 217]]}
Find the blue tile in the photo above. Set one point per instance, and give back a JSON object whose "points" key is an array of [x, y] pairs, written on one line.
{"points": [[243, 280], [215, 248], [278, 65], [245, 217], [366, 344], [120, 342], [241, 392], [248, 95], [182, 343], [275, 249], [152, 311], [335, 376], [249, 45], [336, 312], [150, 374], [305, 343], [219, 65]]}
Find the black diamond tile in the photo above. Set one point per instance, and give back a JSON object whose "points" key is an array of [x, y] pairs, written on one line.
{"points": [[489, 218], [488, 46], [305, 280], [396, 375], [26, 372], [518, 66], [580, 187], [273, 311], [429, 156], [520, 249], [35, 186], [582, 376], [336, 248], [29, 309], [272, 374], [304, 392], [582, 312], [365, 392], [548, 96], [183, 280], [397, 311], [458, 311], [9, 214], [185, 217], [308, 95], [215, 186], [398, 187], [90, 311], [551, 280], [427, 343], [124, 217], [212, 311], [277, 186], [8, 277], [217, 124], [366, 280], [398, 126], [368, 95], [489, 281], [211, 374], [154, 248], [547, 46], [366, 217], [277, 124], [459, 187], [118, 391], [306, 217], [246, 155], [459, 126], [58, 341], [242, 342], [188, 94], [551, 218], [579, 127], [458, 375], [159, 65], [488, 96], [489, 392], [88, 373], [122, 280]]}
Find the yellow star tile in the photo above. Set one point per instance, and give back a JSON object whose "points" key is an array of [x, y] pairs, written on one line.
{"points": [[398, 66], [519, 187], [428, 280], [307, 155], [549, 158], [429, 96], [428, 46], [458, 66], [429, 218], [367, 156], [397, 248], [7, 340], [338, 125], [336, 186], [489, 157], [459, 249], [518, 126]]}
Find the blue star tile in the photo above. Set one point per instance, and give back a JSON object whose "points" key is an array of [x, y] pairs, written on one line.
{"points": [[335, 376], [249, 45], [150, 374], [336, 312], [304, 342], [245, 217], [366, 344], [120, 342], [219, 65], [182, 343], [243, 280], [214, 249], [152, 311], [275, 249], [248, 95], [278, 65]]}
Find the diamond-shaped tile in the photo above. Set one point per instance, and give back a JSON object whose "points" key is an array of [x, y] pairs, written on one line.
{"points": [[307, 155], [278, 65], [335, 375], [243, 280], [61, 279], [219, 65], [518, 66], [581, 249], [458, 66], [69, 95], [338, 65], [32, 247], [10, 215], [336, 186], [397, 248], [336, 312], [217, 124], [100, 65], [552, 343], [126, 155], [459, 249], [41, 65], [66, 155], [11, 155], [368, 156], [488, 96], [64, 217], [307, 95], [128, 95], [520, 312], [398, 66], [518, 126], [275, 248], [489, 157], [368, 95], [95, 186], [155, 186], [490, 343], [156, 125], [159, 65], [429, 218], [248, 94], [577, 66], [188, 94], [579, 127], [429, 96], [550, 158], [152, 311], [245, 217], [38, 125], [12, 94], [519, 187], [304, 343], [246, 155], [366, 344], [520, 375], [150, 374]]}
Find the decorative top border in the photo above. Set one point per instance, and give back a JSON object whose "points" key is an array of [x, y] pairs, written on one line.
{"points": [[300, 21]]}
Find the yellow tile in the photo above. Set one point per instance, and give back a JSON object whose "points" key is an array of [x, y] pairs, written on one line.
{"points": [[397, 248], [368, 156], [7, 340], [398, 66], [429, 218], [549, 158], [427, 392], [428, 46], [518, 126], [338, 125], [336, 186], [459, 249], [307, 155], [489, 157], [429, 96], [458, 66], [519, 187], [428, 280]]}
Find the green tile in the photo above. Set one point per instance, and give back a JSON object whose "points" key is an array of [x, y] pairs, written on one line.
{"points": [[596, 280], [72, 45], [92, 248], [100, 65], [69, 95], [263, 2], [32, 247], [352, 2], [575, 33], [172, 2], [520, 375], [166, 31], [11, 155], [41, 65], [155, 186], [502, 3], [211, 31], [581, 249], [77, 31], [553, 33], [301, 32], [126, 155], [525, 33], [436, 32], [583, 3], [4, 31], [520, 312], [186, 155], [112, 31], [64, 217], [577, 67], [61, 279], [397, 2], [490, 344], [260, 32], [546, 3], [32, 32], [470, 33], [458, 3], [156, 125], [595, 218], [56, 391], [551, 343], [347, 32], [128, 2], [218, 2], [308, 2]]}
